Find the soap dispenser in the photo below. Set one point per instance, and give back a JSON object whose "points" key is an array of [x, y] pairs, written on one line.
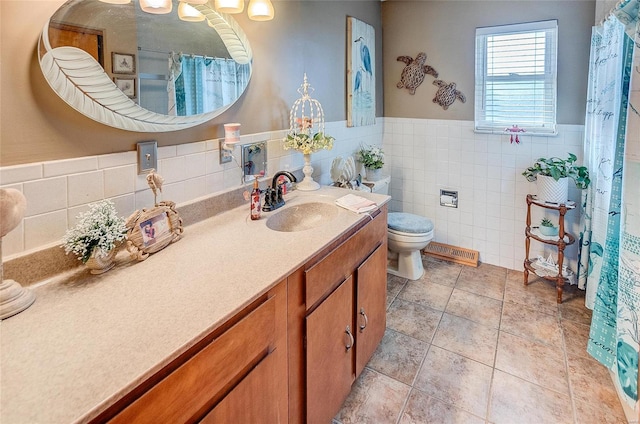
{"points": [[255, 201]]}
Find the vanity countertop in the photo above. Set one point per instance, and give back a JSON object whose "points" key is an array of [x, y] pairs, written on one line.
{"points": [[88, 340]]}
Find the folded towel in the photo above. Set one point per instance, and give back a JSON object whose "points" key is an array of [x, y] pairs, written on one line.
{"points": [[356, 203]]}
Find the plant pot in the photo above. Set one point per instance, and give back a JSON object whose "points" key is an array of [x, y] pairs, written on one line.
{"points": [[373, 174], [552, 191], [100, 262], [548, 231]]}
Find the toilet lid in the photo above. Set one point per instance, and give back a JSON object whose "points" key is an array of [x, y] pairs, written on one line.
{"points": [[409, 223]]}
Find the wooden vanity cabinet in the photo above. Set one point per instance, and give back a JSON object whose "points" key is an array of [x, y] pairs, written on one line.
{"points": [[337, 317], [238, 373]]}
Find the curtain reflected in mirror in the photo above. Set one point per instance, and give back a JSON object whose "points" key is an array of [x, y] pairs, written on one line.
{"points": [[200, 84]]}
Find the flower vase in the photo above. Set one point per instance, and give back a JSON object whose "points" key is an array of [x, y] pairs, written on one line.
{"points": [[307, 184], [100, 262], [373, 174]]}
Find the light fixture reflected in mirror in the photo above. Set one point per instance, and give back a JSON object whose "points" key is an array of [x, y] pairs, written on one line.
{"points": [[260, 10], [157, 7], [116, 1], [192, 2], [229, 6], [188, 13]]}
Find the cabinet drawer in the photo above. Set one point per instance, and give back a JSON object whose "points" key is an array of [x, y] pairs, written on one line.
{"points": [[327, 274], [192, 389], [253, 400]]}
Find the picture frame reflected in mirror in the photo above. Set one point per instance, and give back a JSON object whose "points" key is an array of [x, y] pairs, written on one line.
{"points": [[123, 63], [127, 86]]}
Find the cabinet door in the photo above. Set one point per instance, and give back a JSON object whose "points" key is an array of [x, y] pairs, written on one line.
{"points": [[371, 302], [329, 354], [253, 400]]}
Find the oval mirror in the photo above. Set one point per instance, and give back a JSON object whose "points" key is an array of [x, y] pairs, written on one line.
{"points": [[144, 72]]}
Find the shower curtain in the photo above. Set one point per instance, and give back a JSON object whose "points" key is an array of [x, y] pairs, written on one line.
{"points": [[610, 238], [199, 85]]}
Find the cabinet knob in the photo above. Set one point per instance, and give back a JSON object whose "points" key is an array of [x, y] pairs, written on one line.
{"points": [[351, 339], [366, 320]]}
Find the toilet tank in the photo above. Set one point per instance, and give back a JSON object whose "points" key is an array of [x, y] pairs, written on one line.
{"points": [[381, 186]]}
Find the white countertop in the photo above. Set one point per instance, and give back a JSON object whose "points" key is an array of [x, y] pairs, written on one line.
{"points": [[88, 340]]}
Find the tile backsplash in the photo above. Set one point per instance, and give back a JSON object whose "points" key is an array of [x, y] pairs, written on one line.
{"points": [[57, 191], [422, 156]]}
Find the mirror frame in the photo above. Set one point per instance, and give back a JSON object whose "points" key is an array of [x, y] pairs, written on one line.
{"points": [[82, 83]]}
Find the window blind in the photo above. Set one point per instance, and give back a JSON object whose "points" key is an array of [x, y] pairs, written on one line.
{"points": [[516, 77]]}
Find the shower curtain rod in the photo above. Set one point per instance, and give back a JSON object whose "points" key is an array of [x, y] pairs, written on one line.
{"points": [[181, 54]]}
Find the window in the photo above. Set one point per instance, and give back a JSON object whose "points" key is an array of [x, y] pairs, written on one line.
{"points": [[516, 77]]}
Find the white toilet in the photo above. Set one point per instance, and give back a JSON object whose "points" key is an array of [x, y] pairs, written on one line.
{"points": [[407, 234]]}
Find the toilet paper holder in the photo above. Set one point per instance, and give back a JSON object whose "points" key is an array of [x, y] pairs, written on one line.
{"points": [[449, 198]]}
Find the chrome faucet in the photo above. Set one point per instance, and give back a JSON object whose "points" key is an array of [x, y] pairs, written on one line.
{"points": [[273, 195]]}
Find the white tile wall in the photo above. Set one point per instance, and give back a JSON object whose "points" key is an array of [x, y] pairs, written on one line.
{"points": [[424, 156], [58, 191]]}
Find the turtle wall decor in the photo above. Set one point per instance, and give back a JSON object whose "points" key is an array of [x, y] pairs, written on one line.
{"points": [[413, 74], [447, 94]]}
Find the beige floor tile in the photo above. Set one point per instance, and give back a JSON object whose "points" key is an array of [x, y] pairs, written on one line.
{"points": [[456, 380], [374, 398], [481, 309], [426, 293], [599, 412], [539, 294], [531, 323], [486, 280], [440, 272], [576, 336], [422, 409], [590, 381], [573, 309], [412, 319], [540, 355], [394, 285], [535, 362], [514, 400], [398, 356], [467, 338]]}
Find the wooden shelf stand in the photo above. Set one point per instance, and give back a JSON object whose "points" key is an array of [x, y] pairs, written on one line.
{"points": [[563, 240]]}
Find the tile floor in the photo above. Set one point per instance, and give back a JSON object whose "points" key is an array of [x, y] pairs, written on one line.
{"points": [[474, 345]]}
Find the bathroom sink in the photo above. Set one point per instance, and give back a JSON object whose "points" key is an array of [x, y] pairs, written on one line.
{"points": [[302, 217]]}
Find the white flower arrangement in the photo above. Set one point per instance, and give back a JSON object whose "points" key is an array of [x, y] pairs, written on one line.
{"points": [[302, 141], [371, 157], [98, 228], [308, 144]]}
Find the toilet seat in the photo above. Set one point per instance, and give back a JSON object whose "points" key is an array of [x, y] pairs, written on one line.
{"points": [[408, 224], [400, 236]]}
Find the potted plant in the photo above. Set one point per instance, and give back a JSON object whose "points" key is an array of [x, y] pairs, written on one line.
{"points": [[547, 228], [552, 174], [372, 158], [93, 240]]}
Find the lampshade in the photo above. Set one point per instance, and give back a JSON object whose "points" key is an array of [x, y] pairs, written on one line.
{"points": [[158, 7], [229, 6], [116, 1], [188, 13], [260, 10]]}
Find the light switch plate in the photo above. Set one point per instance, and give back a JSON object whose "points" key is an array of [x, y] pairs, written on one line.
{"points": [[147, 156]]}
